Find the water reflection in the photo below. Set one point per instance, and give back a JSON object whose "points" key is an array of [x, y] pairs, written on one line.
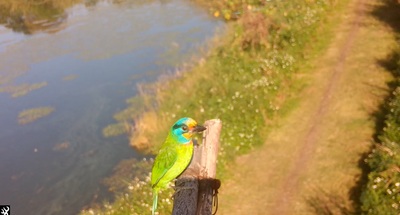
{"points": [[79, 61], [33, 16]]}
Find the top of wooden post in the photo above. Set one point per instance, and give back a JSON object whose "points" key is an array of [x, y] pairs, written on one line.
{"points": [[210, 148], [204, 161]]}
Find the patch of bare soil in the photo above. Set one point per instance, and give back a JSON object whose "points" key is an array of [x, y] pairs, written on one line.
{"points": [[310, 164]]}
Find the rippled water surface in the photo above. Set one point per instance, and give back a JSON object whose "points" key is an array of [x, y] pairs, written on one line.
{"points": [[70, 64]]}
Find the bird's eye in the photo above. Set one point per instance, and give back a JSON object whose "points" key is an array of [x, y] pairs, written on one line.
{"points": [[184, 127]]}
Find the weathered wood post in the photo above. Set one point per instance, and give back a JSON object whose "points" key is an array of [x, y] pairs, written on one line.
{"points": [[195, 187]]}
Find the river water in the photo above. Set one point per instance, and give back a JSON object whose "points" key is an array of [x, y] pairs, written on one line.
{"points": [[81, 59]]}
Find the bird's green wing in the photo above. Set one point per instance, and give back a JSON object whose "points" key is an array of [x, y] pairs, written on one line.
{"points": [[164, 161]]}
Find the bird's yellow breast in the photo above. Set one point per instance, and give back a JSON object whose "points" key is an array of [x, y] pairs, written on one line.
{"points": [[185, 153]]}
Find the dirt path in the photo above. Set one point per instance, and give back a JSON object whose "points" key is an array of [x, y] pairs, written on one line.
{"points": [[310, 163]]}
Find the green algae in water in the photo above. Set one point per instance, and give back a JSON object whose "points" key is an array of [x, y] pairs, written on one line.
{"points": [[62, 146], [115, 129], [22, 89], [31, 115], [137, 105], [70, 77]]}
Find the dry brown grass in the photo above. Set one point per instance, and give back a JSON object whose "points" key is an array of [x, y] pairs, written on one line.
{"points": [[256, 28], [142, 128]]}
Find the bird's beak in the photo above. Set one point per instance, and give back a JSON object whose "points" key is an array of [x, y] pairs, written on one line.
{"points": [[198, 129]]}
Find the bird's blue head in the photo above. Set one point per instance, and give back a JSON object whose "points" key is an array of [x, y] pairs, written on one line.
{"points": [[184, 128]]}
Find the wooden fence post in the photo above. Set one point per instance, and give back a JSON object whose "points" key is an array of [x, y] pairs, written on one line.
{"points": [[195, 187]]}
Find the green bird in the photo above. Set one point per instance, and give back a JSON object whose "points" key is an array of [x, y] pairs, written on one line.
{"points": [[174, 156]]}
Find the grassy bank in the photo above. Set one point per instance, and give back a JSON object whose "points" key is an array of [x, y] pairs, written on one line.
{"points": [[247, 80], [381, 195]]}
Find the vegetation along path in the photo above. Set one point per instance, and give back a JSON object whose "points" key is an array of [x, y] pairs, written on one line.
{"points": [[312, 163]]}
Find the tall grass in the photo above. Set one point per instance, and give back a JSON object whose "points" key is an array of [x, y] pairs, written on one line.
{"points": [[246, 80]]}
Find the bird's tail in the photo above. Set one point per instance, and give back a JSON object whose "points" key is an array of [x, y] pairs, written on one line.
{"points": [[155, 201]]}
